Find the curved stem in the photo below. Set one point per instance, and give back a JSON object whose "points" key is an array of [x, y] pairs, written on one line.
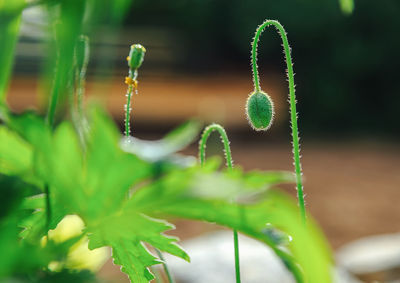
{"points": [[229, 163], [202, 146], [292, 101]]}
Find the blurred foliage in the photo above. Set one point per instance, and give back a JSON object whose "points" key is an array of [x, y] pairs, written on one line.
{"points": [[10, 17], [51, 173], [94, 184], [345, 65]]}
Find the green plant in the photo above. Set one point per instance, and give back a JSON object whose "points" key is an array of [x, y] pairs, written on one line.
{"points": [[135, 60], [229, 163], [122, 189], [261, 119]]}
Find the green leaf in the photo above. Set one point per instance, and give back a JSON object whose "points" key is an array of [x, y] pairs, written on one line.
{"points": [[33, 130], [235, 184], [161, 149], [307, 255], [109, 172], [15, 153], [125, 232], [135, 260], [90, 184], [10, 18]]}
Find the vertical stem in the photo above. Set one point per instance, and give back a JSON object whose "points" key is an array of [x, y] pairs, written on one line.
{"points": [[132, 76], [48, 208], [9, 37], [292, 101], [53, 102], [229, 163], [237, 262], [169, 276]]}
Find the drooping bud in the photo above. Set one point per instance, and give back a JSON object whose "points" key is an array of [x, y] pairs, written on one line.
{"points": [[260, 110], [136, 56]]}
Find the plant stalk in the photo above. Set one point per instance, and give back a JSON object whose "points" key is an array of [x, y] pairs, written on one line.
{"points": [[229, 163], [292, 102], [169, 276], [131, 86]]}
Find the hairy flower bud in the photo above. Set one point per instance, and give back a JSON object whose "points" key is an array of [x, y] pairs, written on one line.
{"points": [[136, 56], [260, 111]]}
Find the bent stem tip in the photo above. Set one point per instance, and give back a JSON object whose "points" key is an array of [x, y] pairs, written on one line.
{"points": [[229, 163], [292, 102]]}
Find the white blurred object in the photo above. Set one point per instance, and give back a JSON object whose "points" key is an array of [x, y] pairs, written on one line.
{"points": [[371, 254], [212, 260]]}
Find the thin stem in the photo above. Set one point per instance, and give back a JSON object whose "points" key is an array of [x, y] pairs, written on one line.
{"points": [[236, 247], [131, 86], [202, 146], [169, 276], [229, 163], [81, 79], [81, 61], [53, 103], [292, 101], [48, 208]]}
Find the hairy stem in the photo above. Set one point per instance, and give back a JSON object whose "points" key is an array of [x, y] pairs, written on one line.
{"points": [[292, 101], [229, 163], [131, 88]]}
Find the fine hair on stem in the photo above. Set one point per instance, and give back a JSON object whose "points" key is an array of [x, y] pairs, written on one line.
{"points": [[292, 102], [229, 163]]}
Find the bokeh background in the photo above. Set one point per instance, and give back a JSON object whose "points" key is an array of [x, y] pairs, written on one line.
{"points": [[198, 65]]}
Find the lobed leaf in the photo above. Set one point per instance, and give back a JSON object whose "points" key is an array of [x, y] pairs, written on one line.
{"points": [[125, 232], [307, 255]]}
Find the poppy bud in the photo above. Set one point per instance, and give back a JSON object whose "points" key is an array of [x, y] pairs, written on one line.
{"points": [[136, 56], [260, 111]]}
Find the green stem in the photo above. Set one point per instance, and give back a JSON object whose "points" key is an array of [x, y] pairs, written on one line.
{"points": [[229, 163], [237, 262], [202, 146], [169, 276], [292, 101], [81, 61], [9, 37], [80, 91], [132, 75], [48, 208], [53, 101]]}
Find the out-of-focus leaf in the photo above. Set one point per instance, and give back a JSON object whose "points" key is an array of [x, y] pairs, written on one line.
{"points": [[15, 154], [35, 132], [110, 172], [112, 12], [18, 257], [68, 27], [307, 255], [347, 6], [125, 232], [12, 192], [10, 18], [164, 148]]}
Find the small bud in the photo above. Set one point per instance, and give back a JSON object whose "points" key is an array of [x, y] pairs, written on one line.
{"points": [[260, 111], [136, 56]]}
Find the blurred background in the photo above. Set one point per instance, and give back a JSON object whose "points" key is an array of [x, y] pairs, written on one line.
{"points": [[198, 65]]}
